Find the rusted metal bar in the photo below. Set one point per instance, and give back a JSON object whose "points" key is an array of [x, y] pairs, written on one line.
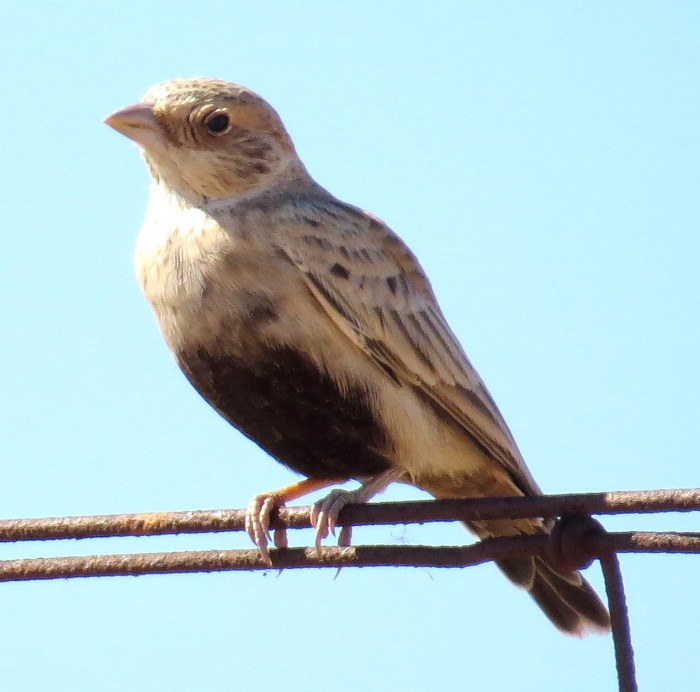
{"points": [[619, 617], [417, 512], [356, 556]]}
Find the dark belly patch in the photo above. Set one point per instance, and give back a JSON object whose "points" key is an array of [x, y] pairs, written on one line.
{"points": [[293, 410]]}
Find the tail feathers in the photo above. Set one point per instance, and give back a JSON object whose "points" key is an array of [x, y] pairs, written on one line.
{"points": [[567, 599], [564, 596]]}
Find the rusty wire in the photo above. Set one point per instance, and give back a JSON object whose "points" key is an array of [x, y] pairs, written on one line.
{"points": [[416, 512], [356, 556], [576, 541], [620, 623]]}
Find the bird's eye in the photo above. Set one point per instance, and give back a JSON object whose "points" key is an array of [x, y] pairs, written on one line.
{"points": [[218, 123]]}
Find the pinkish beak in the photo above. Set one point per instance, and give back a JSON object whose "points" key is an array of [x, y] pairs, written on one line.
{"points": [[138, 123]]}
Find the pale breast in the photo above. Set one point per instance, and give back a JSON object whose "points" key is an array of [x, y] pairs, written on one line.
{"points": [[203, 282]]}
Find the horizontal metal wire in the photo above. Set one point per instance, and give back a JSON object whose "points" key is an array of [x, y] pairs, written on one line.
{"points": [[355, 556], [576, 542], [417, 512]]}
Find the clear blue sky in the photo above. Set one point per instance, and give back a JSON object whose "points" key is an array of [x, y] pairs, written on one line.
{"points": [[542, 159]]}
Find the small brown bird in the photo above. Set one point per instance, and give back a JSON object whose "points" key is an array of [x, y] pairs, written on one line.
{"points": [[310, 326]]}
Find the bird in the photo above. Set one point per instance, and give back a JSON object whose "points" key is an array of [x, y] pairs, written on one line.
{"points": [[310, 326]]}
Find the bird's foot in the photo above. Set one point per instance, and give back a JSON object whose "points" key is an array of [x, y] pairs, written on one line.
{"points": [[261, 507], [257, 523], [324, 515], [325, 512]]}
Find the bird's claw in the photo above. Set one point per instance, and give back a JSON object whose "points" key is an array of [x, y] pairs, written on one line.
{"points": [[325, 512], [257, 524]]}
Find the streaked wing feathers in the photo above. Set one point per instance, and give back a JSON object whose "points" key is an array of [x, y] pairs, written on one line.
{"points": [[374, 290]]}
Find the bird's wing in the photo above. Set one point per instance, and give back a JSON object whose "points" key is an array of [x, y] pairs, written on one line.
{"points": [[374, 290]]}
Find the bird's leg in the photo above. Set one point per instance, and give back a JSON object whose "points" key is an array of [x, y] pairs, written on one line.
{"points": [[259, 509], [324, 513]]}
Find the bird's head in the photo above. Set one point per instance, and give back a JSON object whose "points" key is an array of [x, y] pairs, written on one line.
{"points": [[208, 139]]}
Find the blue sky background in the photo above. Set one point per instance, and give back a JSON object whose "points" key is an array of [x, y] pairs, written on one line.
{"points": [[543, 161]]}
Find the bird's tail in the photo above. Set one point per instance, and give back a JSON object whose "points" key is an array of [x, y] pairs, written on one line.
{"points": [[564, 596]]}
